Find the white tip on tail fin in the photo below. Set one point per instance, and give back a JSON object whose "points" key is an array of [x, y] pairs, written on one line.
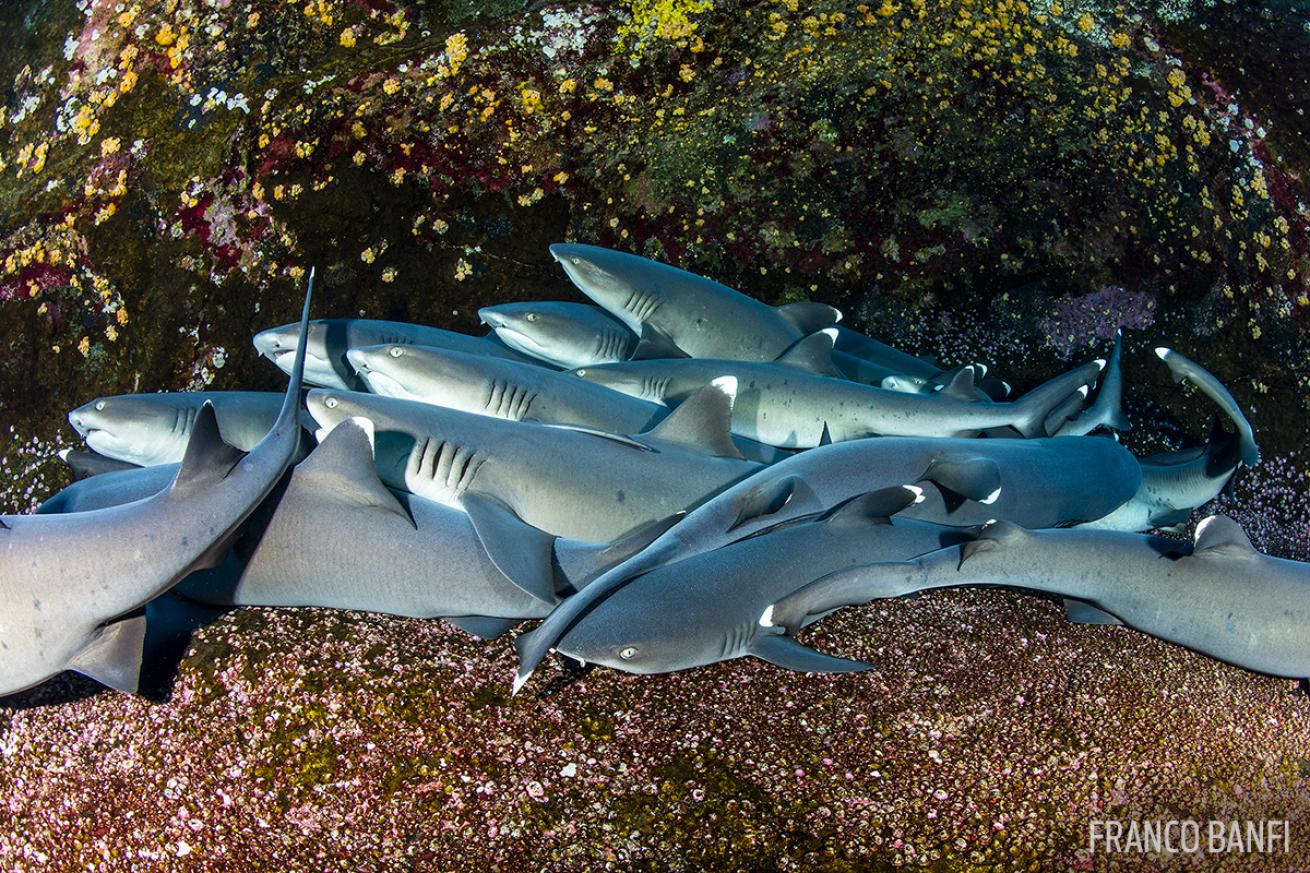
{"points": [[1100, 363], [1082, 389], [1162, 352], [991, 498]]}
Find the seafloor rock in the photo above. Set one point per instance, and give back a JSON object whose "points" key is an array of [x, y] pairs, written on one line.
{"points": [[989, 180]]}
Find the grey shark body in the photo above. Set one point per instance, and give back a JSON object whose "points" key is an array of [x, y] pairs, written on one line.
{"points": [[514, 391], [336, 537], [1038, 482], [568, 482], [66, 578], [787, 406], [110, 489], [698, 316], [149, 429], [566, 335], [706, 608], [1217, 595], [330, 339]]}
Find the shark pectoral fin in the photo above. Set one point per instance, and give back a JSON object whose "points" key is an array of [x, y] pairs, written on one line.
{"points": [[971, 476], [702, 422], [342, 466], [1220, 536], [874, 506], [1081, 612], [520, 551], [785, 652], [813, 354], [612, 437], [483, 626], [655, 344], [769, 499], [87, 464], [1169, 518], [808, 316], [113, 657], [208, 459]]}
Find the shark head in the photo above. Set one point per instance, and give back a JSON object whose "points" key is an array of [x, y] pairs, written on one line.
{"points": [[325, 350], [619, 633], [140, 429], [564, 334], [472, 383], [626, 285]]}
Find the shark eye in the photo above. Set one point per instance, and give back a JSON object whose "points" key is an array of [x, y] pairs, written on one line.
{"points": [[330, 403], [395, 351], [582, 372], [100, 405], [628, 653], [532, 316], [576, 260]]}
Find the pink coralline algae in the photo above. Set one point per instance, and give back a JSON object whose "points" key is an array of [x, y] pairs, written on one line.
{"points": [[1076, 322]]}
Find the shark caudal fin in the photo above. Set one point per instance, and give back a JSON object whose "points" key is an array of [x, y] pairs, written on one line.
{"points": [[1035, 407], [1107, 409], [1183, 367]]}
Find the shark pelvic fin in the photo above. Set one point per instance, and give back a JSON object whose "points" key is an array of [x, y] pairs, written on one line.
{"points": [[654, 344], [208, 459], [342, 466], [1220, 535], [702, 422], [769, 499], [520, 551], [813, 354], [1081, 612], [113, 658], [808, 316], [785, 652], [873, 507], [484, 627]]}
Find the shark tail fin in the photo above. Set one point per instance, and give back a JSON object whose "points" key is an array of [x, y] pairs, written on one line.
{"points": [[1035, 407]]}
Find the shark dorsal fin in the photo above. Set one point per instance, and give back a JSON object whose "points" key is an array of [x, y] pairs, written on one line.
{"points": [[812, 353], [970, 476], [1220, 535], [208, 459], [113, 657], [523, 553], [342, 466], [961, 385], [702, 422], [808, 316], [874, 507], [655, 344], [991, 535]]}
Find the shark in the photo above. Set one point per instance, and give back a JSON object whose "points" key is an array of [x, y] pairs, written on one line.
{"points": [[795, 401], [704, 609], [678, 313], [330, 339], [568, 481], [514, 391], [1216, 595], [149, 429], [74, 583]]}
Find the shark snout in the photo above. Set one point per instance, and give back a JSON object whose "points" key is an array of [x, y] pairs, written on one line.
{"points": [[491, 318], [359, 359]]}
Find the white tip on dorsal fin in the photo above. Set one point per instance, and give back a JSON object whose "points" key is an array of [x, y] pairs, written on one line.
{"points": [[1083, 389], [1219, 534], [766, 617], [812, 353], [918, 492], [1100, 363], [808, 316], [991, 498], [702, 422], [1162, 352]]}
